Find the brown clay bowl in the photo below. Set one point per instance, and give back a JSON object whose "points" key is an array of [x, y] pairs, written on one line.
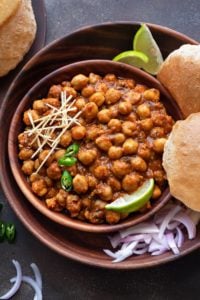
{"points": [[39, 90]]}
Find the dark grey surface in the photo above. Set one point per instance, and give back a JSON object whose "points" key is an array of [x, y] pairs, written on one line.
{"points": [[65, 279]]}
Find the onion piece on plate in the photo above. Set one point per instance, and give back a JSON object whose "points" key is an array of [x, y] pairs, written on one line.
{"points": [[32, 283]]}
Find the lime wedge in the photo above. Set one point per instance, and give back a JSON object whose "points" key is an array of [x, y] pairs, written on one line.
{"points": [[144, 42], [135, 201], [131, 57]]}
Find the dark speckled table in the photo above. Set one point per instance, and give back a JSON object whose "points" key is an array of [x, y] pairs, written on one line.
{"points": [[65, 279]]}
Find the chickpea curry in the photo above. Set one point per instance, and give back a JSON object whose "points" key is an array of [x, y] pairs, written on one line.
{"points": [[90, 141]]}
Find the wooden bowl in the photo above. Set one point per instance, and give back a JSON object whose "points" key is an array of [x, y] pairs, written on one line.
{"points": [[40, 90]]}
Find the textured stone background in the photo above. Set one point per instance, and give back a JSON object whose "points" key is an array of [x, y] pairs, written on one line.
{"points": [[65, 279]]}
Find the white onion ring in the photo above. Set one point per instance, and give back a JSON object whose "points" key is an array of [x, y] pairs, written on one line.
{"points": [[172, 243], [169, 216], [187, 222], [179, 237], [38, 276], [32, 283], [17, 283]]}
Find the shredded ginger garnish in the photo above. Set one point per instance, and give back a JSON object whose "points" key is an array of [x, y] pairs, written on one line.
{"points": [[44, 127]]}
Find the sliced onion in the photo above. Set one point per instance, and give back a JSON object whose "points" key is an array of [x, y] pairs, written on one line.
{"points": [[137, 237], [170, 215], [172, 243], [187, 222], [32, 283], [140, 228], [38, 276], [17, 283], [115, 240], [179, 237]]}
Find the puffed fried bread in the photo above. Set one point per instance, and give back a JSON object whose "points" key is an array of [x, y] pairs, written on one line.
{"points": [[180, 74], [181, 161], [16, 37], [7, 9]]}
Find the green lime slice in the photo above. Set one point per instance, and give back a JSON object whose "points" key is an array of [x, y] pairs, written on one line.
{"points": [[130, 203], [131, 57], [144, 42]]}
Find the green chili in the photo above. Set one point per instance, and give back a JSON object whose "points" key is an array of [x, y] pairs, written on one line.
{"points": [[72, 150], [66, 181], [67, 161], [2, 230], [10, 232]]}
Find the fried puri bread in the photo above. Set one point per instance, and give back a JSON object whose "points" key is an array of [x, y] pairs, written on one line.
{"points": [[16, 37], [7, 9], [180, 74], [181, 161]]}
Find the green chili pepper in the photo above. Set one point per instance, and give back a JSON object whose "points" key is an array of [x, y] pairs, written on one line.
{"points": [[67, 161], [2, 230], [72, 150], [10, 232], [1, 206], [66, 181]]}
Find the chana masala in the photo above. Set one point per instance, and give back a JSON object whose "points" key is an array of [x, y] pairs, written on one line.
{"points": [[90, 141]]}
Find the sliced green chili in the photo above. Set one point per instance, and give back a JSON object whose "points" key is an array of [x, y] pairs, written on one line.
{"points": [[66, 181], [67, 161], [72, 150], [10, 232], [2, 230]]}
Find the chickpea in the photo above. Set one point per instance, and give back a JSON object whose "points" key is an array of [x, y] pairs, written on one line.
{"points": [[103, 142], [114, 111], [79, 81], [158, 145], [101, 87], [98, 98], [51, 193], [104, 191], [120, 168], [53, 171], [115, 152], [112, 96], [104, 116], [52, 101], [34, 177], [80, 103], [112, 217], [54, 91], [125, 107], [99, 204], [101, 172], [61, 197], [80, 184], [156, 192], [78, 132], [139, 88], [66, 139], [90, 111], [93, 78], [115, 125], [131, 182], [25, 153], [39, 187], [48, 181], [132, 117], [146, 124], [93, 132], [40, 106], [87, 91], [70, 91], [152, 95], [87, 157], [144, 151], [159, 176], [28, 167], [132, 97], [138, 164], [59, 153], [127, 83], [52, 204], [114, 184], [110, 77], [92, 181], [157, 132], [130, 146], [42, 156], [143, 111], [72, 170], [95, 216], [118, 138], [86, 203], [73, 205], [31, 112], [128, 128]]}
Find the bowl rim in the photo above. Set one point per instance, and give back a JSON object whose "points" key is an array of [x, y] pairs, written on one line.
{"points": [[60, 218]]}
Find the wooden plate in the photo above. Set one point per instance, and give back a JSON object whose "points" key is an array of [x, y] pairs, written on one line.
{"points": [[101, 41], [40, 16]]}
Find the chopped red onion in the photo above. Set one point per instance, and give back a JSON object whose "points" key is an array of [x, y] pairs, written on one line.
{"points": [[156, 238], [17, 283]]}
